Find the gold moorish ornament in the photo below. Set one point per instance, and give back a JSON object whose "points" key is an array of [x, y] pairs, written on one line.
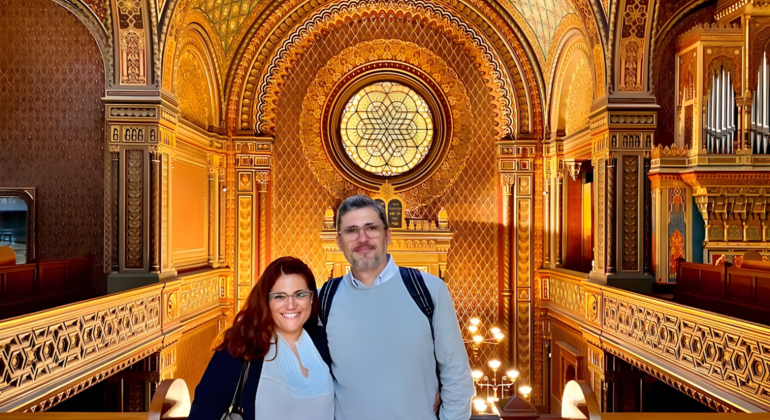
{"points": [[418, 69], [386, 128]]}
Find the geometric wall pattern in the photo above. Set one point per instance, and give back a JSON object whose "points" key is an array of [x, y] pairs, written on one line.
{"points": [[52, 116], [299, 201]]}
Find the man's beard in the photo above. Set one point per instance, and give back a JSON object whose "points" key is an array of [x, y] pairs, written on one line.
{"points": [[365, 263]]}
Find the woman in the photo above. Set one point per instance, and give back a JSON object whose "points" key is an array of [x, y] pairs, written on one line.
{"points": [[276, 333]]}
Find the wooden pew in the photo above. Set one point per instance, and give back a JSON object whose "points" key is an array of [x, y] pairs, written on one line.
{"points": [[740, 292], [27, 288]]}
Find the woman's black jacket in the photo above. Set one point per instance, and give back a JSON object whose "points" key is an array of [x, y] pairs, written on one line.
{"points": [[217, 387]]}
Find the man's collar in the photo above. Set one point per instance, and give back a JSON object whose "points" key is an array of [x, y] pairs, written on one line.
{"points": [[389, 271]]}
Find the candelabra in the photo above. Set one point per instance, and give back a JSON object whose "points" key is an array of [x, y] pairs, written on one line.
{"points": [[486, 384], [507, 382], [476, 339]]}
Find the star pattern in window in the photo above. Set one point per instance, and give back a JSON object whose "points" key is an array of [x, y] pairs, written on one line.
{"points": [[386, 128]]}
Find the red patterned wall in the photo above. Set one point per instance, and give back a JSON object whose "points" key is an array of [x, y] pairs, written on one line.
{"points": [[52, 124]]}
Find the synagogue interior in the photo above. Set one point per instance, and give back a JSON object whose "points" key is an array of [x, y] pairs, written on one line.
{"points": [[590, 178]]}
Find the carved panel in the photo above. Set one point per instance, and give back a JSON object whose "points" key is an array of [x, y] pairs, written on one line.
{"points": [[245, 240], [523, 342], [568, 295], [579, 98], [632, 45], [52, 345], [193, 90], [522, 244], [133, 43], [134, 208], [198, 294], [164, 228], [630, 212], [723, 352]]}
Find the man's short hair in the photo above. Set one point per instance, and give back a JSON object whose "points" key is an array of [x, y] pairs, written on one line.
{"points": [[356, 202]]}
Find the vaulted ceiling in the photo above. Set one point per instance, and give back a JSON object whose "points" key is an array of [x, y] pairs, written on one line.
{"points": [[542, 18]]}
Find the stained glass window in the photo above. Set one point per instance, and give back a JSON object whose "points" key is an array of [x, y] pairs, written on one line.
{"points": [[387, 128]]}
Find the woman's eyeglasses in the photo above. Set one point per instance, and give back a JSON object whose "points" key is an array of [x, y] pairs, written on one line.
{"points": [[300, 296]]}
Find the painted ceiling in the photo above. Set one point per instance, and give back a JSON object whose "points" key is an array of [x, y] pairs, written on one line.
{"points": [[542, 16], [226, 16]]}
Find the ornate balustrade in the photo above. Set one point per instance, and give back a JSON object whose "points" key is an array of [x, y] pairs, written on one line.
{"points": [[49, 356], [719, 360]]}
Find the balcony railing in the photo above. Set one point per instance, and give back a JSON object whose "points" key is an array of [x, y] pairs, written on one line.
{"points": [[48, 356], [717, 359]]}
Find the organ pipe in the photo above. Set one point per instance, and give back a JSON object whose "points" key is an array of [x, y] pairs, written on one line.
{"points": [[760, 115], [721, 114]]}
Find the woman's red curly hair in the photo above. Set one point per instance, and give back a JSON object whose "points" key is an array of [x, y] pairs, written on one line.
{"points": [[253, 329]]}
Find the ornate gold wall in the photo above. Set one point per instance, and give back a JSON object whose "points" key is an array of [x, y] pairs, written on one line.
{"points": [[299, 200], [52, 125]]}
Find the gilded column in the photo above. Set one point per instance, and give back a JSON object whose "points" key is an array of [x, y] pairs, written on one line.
{"points": [[141, 136], [213, 207], [251, 161], [558, 220], [506, 288], [647, 215], [222, 220], [263, 180], [611, 243], [115, 201], [155, 185], [518, 170]]}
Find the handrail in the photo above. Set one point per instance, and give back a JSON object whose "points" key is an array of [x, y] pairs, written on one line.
{"points": [[712, 355], [48, 356], [171, 401]]}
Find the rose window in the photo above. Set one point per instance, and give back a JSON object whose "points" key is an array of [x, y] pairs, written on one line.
{"points": [[387, 128]]}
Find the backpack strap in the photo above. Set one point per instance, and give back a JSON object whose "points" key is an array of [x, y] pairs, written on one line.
{"points": [[325, 297], [420, 294]]}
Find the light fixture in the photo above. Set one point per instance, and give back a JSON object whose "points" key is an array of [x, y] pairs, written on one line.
{"points": [[525, 390], [475, 321], [480, 405], [224, 189], [513, 374], [494, 364], [494, 330], [478, 339], [477, 374], [473, 328], [499, 336]]}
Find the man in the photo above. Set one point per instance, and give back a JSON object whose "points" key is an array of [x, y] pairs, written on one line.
{"points": [[387, 362]]}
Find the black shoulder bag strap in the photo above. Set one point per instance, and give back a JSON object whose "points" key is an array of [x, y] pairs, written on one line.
{"points": [[325, 297], [235, 412]]}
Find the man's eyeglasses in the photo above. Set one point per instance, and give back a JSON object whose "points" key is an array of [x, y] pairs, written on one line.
{"points": [[371, 232], [300, 296]]}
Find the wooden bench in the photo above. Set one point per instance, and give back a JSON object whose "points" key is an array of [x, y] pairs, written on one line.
{"points": [[27, 288], [739, 292]]}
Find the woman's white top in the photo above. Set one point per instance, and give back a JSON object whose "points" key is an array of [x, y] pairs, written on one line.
{"points": [[284, 393]]}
